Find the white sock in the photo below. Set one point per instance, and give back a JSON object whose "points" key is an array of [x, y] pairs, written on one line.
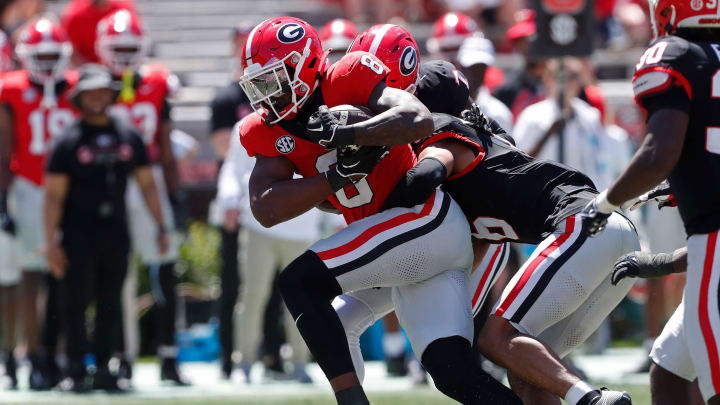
{"points": [[577, 391], [393, 344]]}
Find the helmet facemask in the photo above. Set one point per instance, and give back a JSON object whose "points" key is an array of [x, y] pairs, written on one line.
{"points": [[46, 60], [274, 90], [122, 53]]}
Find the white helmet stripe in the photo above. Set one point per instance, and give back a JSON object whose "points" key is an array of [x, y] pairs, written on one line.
{"points": [[248, 44], [379, 34]]}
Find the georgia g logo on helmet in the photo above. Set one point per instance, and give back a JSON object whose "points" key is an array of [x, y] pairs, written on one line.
{"points": [[408, 61], [290, 33]]}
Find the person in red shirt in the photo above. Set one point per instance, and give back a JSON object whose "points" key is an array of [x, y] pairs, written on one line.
{"points": [[419, 252], [35, 108], [81, 17], [122, 46]]}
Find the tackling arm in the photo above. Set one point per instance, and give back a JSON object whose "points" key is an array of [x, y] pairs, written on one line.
{"points": [[275, 196], [648, 265]]}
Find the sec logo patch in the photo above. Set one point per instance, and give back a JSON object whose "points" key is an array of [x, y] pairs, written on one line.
{"points": [[285, 144]]}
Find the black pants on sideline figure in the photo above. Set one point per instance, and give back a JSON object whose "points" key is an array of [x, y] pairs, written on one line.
{"points": [[230, 286], [98, 261]]}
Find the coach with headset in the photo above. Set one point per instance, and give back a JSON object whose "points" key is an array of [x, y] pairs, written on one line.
{"points": [[86, 223]]}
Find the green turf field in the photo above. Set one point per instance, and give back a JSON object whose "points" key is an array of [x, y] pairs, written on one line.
{"points": [[421, 396]]}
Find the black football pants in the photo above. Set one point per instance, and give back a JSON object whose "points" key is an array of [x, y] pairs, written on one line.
{"points": [[98, 261]]}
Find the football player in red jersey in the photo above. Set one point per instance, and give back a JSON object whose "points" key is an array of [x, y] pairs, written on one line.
{"points": [[121, 46], [419, 252], [677, 83], [36, 108]]}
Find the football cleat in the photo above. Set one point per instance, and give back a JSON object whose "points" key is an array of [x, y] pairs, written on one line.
{"points": [[170, 372]]}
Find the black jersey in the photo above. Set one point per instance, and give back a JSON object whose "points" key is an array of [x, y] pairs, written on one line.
{"points": [[677, 73], [505, 193]]}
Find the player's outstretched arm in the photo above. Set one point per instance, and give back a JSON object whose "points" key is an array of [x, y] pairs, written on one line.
{"points": [[400, 118], [658, 154], [648, 265], [275, 196]]}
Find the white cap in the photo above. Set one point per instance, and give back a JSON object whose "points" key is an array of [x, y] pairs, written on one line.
{"points": [[476, 49]]}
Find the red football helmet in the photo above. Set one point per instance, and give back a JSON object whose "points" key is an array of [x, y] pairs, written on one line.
{"points": [[449, 31], [396, 48], [43, 49], [6, 53], [282, 64], [121, 42], [668, 15], [338, 34]]}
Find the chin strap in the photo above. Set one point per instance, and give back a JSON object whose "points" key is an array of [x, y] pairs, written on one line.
{"points": [[49, 100]]}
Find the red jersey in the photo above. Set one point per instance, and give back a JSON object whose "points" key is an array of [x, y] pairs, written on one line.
{"points": [[153, 85], [33, 125], [80, 19], [350, 80]]}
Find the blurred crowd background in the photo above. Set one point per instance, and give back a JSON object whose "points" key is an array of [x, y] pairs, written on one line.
{"points": [[576, 110]]}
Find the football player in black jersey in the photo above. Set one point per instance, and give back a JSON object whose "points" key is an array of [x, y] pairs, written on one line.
{"points": [[677, 82]]}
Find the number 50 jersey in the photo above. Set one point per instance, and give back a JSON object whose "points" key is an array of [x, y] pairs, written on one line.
{"points": [[679, 74], [33, 125]]}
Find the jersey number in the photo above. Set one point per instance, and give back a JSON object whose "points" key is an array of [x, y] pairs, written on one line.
{"points": [[489, 228], [352, 196], [57, 120], [653, 55], [142, 115], [372, 63]]}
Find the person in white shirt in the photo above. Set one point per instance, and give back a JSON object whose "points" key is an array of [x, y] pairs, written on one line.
{"points": [[475, 55], [573, 135], [263, 253]]}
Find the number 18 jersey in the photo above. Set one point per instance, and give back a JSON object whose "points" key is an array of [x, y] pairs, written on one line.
{"points": [[679, 74], [33, 125]]}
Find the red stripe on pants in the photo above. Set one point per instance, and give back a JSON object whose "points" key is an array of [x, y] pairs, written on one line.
{"points": [[376, 229], [704, 315], [569, 228], [485, 276]]}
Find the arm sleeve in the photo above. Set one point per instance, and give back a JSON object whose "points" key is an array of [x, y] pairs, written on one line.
{"points": [[139, 150], [341, 84], [674, 98], [418, 184]]}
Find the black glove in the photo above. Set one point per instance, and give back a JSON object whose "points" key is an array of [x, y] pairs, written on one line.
{"points": [[593, 220], [354, 162], [643, 265], [6, 222], [178, 202], [662, 194], [325, 129]]}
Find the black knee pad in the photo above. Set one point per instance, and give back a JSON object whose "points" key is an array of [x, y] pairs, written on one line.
{"points": [[306, 276]]}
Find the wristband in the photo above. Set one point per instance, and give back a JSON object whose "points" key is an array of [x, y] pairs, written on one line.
{"points": [[337, 182], [603, 205], [344, 135]]}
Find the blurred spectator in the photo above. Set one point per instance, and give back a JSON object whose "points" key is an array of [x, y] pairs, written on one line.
{"points": [[337, 35], [229, 106], [475, 56], [265, 251], [564, 128], [87, 175], [448, 33], [40, 90], [80, 19], [523, 88], [143, 101]]}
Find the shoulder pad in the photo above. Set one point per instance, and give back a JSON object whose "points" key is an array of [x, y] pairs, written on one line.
{"points": [[256, 137], [663, 65]]}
